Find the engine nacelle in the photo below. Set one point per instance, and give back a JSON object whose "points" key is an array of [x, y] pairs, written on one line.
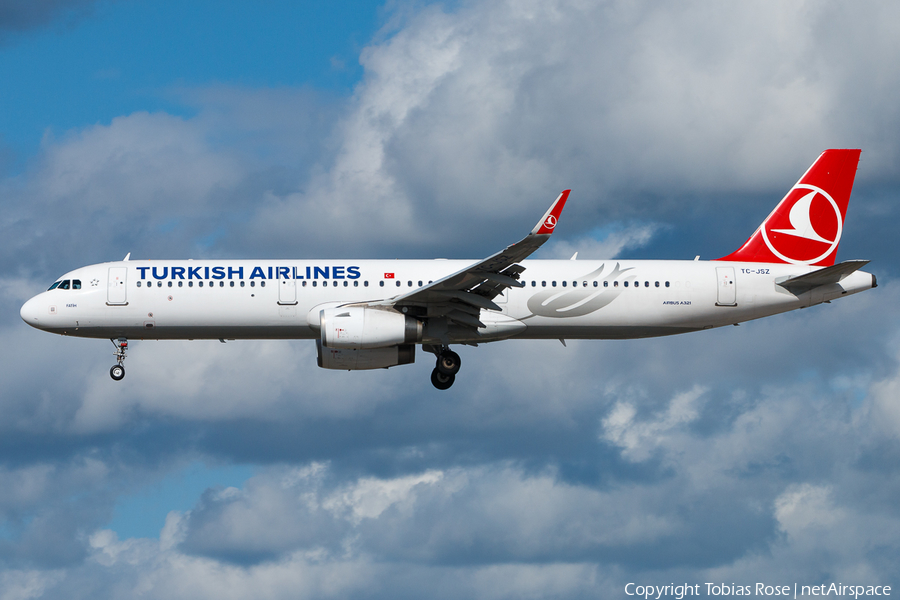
{"points": [[347, 359], [359, 327]]}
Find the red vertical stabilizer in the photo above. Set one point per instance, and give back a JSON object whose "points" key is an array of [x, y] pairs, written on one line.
{"points": [[805, 228]]}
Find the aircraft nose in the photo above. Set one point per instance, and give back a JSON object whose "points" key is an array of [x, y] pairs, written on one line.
{"points": [[30, 312]]}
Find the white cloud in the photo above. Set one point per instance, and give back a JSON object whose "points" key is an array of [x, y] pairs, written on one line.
{"points": [[24, 585], [639, 439], [487, 110], [150, 162], [369, 497], [803, 507]]}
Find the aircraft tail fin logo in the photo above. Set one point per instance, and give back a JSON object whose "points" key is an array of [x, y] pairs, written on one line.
{"points": [[805, 228], [801, 220]]}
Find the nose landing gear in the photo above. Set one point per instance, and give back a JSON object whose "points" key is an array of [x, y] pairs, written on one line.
{"points": [[117, 371], [448, 364]]}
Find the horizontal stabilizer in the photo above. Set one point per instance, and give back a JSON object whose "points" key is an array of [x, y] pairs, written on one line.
{"points": [[833, 274]]}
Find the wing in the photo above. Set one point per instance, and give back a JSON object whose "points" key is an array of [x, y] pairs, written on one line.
{"points": [[461, 296]]}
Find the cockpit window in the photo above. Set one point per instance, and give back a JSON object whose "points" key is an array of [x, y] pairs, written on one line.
{"points": [[64, 285], [54, 286], [76, 284]]}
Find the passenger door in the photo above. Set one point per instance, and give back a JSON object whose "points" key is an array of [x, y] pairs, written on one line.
{"points": [[727, 294], [116, 290]]}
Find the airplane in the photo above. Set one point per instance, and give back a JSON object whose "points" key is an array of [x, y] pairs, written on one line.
{"points": [[371, 314]]}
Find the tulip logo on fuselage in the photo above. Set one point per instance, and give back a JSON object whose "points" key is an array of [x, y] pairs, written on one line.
{"points": [[579, 301]]}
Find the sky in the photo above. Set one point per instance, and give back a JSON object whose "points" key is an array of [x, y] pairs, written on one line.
{"points": [[765, 453]]}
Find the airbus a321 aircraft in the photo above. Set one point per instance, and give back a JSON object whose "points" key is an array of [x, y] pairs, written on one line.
{"points": [[371, 314]]}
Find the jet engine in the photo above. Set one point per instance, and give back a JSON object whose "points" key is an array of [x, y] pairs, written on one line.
{"points": [[348, 359], [360, 327]]}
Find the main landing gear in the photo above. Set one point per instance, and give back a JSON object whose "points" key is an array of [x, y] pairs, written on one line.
{"points": [[448, 364], [117, 371]]}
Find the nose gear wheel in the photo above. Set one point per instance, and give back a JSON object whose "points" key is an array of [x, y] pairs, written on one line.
{"points": [[117, 371]]}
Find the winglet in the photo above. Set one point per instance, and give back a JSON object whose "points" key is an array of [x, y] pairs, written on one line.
{"points": [[548, 222]]}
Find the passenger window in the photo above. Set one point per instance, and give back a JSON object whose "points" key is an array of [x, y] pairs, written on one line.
{"points": [[303, 284], [657, 284], [346, 283], [574, 284], [159, 284], [252, 284], [64, 285], [190, 283], [616, 284], [334, 284], [646, 284], [420, 283], [381, 283], [543, 284], [564, 284], [366, 283], [605, 284], [315, 283], [180, 284], [76, 284], [170, 284], [139, 284], [595, 284], [355, 284], [221, 284], [200, 284], [667, 284], [231, 283], [263, 284], [242, 284], [626, 284], [553, 283], [398, 284], [585, 283], [534, 283]]}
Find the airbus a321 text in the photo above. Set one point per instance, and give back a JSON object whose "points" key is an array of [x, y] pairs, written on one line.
{"points": [[371, 314]]}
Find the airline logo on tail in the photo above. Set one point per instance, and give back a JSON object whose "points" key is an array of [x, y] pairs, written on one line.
{"points": [[805, 228], [807, 214]]}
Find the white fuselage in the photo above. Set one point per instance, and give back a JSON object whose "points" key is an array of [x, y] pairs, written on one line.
{"points": [[248, 299]]}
